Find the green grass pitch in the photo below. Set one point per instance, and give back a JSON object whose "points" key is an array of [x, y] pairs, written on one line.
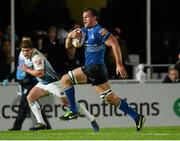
{"points": [[148, 133]]}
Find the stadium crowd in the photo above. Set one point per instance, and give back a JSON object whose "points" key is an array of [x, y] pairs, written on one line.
{"points": [[51, 44], [50, 41]]}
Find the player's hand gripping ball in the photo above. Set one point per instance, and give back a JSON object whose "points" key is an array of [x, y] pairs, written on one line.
{"points": [[78, 42]]}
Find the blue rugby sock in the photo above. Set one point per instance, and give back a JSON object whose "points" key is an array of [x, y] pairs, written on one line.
{"points": [[127, 109], [70, 93]]}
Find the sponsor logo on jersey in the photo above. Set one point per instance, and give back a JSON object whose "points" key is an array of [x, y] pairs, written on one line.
{"points": [[38, 62], [103, 31]]}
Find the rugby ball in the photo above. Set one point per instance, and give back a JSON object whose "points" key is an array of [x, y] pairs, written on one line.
{"points": [[78, 42]]}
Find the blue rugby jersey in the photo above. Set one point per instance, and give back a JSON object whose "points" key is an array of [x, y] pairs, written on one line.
{"points": [[94, 44]]}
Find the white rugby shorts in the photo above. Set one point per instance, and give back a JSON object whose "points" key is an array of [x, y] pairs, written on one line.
{"points": [[55, 88]]}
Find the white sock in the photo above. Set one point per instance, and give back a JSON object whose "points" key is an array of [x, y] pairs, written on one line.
{"points": [[35, 108], [82, 110]]}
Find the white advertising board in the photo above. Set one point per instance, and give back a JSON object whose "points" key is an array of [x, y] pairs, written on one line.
{"points": [[160, 103]]}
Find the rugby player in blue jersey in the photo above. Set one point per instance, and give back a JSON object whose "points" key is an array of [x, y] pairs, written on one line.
{"points": [[48, 83], [94, 71]]}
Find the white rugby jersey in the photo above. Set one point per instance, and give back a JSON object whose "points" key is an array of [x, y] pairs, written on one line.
{"points": [[39, 62]]}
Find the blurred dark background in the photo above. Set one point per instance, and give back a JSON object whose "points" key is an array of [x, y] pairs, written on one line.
{"points": [[129, 15]]}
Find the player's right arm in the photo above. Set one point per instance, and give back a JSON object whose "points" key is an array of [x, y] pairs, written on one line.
{"points": [[71, 35], [38, 64], [36, 73], [68, 42]]}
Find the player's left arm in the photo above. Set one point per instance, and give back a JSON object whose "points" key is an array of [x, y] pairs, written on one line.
{"points": [[112, 42]]}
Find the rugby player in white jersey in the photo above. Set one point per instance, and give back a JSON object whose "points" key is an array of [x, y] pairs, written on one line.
{"points": [[48, 84]]}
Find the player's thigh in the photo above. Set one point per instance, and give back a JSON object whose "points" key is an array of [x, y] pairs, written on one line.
{"points": [[79, 76], [54, 88], [102, 87], [36, 93]]}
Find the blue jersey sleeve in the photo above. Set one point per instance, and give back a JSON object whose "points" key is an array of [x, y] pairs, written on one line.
{"points": [[104, 34]]}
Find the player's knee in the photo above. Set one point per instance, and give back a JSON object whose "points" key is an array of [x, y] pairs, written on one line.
{"points": [[71, 77], [110, 97], [65, 81], [29, 98]]}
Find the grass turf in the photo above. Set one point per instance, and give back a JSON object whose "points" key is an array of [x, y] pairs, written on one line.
{"points": [[148, 133]]}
